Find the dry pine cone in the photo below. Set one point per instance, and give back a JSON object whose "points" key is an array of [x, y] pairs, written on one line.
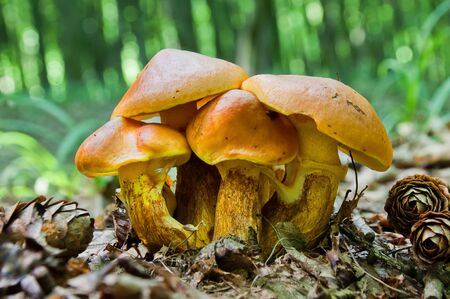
{"points": [[60, 225], [412, 196], [430, 238]]}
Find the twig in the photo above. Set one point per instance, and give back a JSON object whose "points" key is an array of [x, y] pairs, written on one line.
{"points": [[371, 276], [193, 232], [321, 271], [278, 237], [356, 175], [348, 206], [394, 251], [347, 192], [254, 281], [219, 290], [360, 241], [361, 225], [165, 266], [273, 250]]}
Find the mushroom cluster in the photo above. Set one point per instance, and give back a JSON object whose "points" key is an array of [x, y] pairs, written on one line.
{"points": [[245, 148]]}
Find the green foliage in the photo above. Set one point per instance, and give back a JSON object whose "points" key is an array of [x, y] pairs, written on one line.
{"points": [[422, 103], [65, 64], [32, 169], [27, 166]]}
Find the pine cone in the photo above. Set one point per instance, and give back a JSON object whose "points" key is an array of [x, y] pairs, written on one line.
{"points": [[26, 272], [430, 238], [412, 196], [59, 225]]}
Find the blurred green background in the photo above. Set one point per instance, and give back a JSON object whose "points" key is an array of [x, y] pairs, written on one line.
{"points": [[65, 64]]}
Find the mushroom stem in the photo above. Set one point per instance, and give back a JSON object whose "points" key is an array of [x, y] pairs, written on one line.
{"points": [[239, 200], [311, 210], [197, 182], [141, 186], [171, 201], [197, 187], [307, 196]]}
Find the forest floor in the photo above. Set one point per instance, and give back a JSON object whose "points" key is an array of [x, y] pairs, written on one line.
{"points": [[360, 258]]}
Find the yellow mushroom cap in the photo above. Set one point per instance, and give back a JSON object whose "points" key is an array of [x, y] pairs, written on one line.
{"points": [[123, 141], [174, 77], [236, 126], [338, 111]]}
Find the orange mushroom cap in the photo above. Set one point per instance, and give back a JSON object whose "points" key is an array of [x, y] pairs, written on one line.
{"points": [[123, 141], [174, 77], [338, 111], [236, 126]]}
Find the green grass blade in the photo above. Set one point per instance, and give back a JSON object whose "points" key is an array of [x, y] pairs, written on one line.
{"points": [[29, 128], [430, 23], [440, 97], [28, 149], [45, 106]]}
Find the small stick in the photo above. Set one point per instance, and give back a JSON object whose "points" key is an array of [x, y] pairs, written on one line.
{"points": [[321, 271], [361, 225], [371, 276], [356, 175], [273, 250], [360, 241], [394, 251], [348, 206]]}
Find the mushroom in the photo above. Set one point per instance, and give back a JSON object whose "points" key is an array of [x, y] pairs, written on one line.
{"points": [[238, 135], [173, 81], [173, 84], [328, 116], [141, 154]]}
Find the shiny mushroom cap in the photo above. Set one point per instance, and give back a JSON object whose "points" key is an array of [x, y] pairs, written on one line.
{"points": [[122, 141], [174, 77], [338, 111], [236, 126]]}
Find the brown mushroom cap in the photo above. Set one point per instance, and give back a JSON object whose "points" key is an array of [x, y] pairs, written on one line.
{"points": [[174, 77], [236, 126], [122, 141], [338, 111]]}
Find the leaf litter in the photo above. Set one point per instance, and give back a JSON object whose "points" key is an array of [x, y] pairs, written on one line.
{"points": [[51, 249]]}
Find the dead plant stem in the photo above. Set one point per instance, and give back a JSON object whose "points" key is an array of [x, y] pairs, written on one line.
{"points": [[371, 276]]}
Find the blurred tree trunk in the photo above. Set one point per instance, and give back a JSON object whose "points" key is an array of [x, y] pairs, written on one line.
{"points": [[92, 32], [137, 28], [329, 38], [3, 35], [181, 12], [70, 38], [223, 29], [344, 28], [40, 27], [13, 50], [266, 50], [115, 47]]}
